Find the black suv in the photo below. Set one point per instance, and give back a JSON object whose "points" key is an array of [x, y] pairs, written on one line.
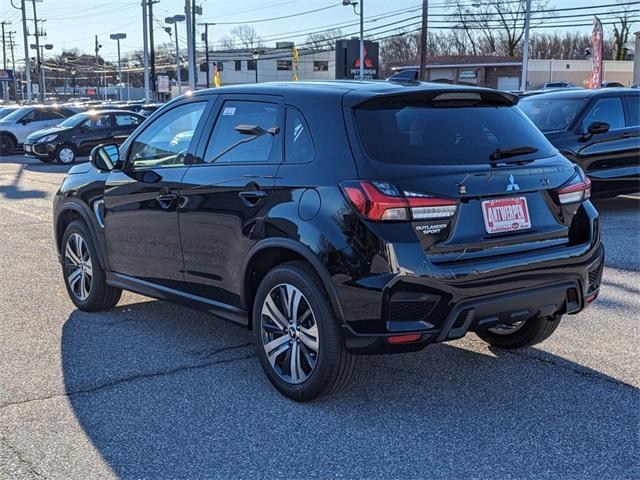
{"points": [[337, 218], [597, 129]]}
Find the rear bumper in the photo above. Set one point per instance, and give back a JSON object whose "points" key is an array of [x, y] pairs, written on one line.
{"points": [[442, 309]]}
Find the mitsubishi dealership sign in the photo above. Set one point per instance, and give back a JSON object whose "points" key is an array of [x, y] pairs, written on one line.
{"points": [[348, 59]]}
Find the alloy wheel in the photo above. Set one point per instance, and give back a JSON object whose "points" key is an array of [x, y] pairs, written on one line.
{"points": [[78, 267], [289, 333], [66, 155]]}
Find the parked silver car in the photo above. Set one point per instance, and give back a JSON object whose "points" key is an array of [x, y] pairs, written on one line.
{"points": [[16, 126]]}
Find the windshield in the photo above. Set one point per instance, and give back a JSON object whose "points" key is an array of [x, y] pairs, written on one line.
{"points": [[552, 114], [74, 120], [422, 135], [16, 115]]}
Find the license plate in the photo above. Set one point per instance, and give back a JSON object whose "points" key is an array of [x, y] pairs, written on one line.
{"points": [[506, 215]]}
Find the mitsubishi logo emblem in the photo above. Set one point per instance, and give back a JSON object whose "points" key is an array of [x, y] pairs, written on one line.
{"points": [[513, 186]]}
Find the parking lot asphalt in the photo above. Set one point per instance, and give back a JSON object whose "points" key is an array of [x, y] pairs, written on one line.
{"points": [[153, 390]]}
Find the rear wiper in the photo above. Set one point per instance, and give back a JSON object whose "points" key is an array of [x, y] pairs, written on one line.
{"points": [[511, 152]]}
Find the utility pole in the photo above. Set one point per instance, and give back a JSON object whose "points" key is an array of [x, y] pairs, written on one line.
{"points": [[152, 50], [190, 49], [206, 51], [423, 41], [25, 39], [525, 48], [145, 50], [4, 58], [13, 65], [98, 47], [38, 60]]}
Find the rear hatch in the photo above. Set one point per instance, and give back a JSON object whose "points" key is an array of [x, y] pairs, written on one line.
{"points": [[477, 178]]}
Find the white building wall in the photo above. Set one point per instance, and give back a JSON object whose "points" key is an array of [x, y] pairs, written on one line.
{"points": [[267, 67]]}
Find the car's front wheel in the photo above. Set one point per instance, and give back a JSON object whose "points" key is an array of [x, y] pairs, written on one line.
{"points": [[83, 275], [520, 334], [7, 145], [297, 335], [66, 155]]}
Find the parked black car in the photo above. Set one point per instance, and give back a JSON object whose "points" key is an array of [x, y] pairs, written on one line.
{"points": [[598, 130], [78, 134], [337, 218]]}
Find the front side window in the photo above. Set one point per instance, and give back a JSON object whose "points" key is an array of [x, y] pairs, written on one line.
{"points": [[608, 110], [299, 146], [97, 122], [231, 142], [552, 115], [412, 134], [164, 142], [46, 114]]}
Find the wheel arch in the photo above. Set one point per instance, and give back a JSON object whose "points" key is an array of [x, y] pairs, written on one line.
{"points": [[7, 133], [67, 213], [271, 252]]}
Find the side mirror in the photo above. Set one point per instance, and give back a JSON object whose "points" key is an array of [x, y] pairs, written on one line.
{"points": [[105, 157], [598, 127]]}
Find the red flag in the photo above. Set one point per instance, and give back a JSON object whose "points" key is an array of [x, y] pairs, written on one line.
{"points": [[596, 54]]}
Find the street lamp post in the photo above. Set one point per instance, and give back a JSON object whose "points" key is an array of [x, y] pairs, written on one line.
{"points": [[117, 37], [353, 3], [73, 81], [256, 56], [174, 21], [41, 49]]}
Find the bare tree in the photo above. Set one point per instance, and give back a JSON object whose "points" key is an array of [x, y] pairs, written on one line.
{"points": [[242, 36], [495, 26], [621, 33], [324, 40]]}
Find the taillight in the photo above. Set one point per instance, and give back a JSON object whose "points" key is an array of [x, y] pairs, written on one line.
{"points": [[578, 190], [382, 201]]}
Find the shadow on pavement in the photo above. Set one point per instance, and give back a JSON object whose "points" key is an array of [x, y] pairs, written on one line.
{"points": [[166, 392], [34, 165]]}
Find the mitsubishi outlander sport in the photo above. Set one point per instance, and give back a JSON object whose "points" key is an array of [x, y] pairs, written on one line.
{"points": [[336, 219]]}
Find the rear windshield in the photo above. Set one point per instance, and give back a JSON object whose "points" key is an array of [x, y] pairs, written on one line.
{"points": [[552, 114], [424, 135]]}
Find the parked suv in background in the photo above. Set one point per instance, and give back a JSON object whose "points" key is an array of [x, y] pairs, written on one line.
{"points": [[599, 130], [337, 218], [16, 126], [77, 135]]}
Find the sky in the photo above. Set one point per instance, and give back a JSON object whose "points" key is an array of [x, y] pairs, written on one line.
{"points": [[73, 23]]}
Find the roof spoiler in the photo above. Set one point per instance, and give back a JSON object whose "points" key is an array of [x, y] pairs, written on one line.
{"points": [[448, 98]]}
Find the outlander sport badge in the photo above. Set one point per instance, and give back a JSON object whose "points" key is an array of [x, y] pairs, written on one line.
{"points": [[513, 186]]}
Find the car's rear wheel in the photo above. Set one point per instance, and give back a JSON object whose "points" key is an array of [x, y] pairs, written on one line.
{"points": [[297, 335], [520, 334], [7, 145], [83, 276], [66, 155]]}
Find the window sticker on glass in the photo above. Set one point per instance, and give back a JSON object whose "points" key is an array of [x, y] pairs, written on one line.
{"points": [[229, 111]]}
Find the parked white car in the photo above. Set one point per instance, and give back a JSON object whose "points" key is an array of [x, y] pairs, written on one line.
{"points": [[15, 127]]}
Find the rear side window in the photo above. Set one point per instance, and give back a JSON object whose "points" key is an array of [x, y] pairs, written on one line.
{"points": [[228, 145], [633, 111], [608, 110], [552, 114], [299, 146], [424, 135], [123, 120]]}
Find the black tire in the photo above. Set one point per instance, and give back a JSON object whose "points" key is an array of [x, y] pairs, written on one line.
{"points": [[532, 332], [100, 295], [334, 365], [7, 145], [63, 152]]}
